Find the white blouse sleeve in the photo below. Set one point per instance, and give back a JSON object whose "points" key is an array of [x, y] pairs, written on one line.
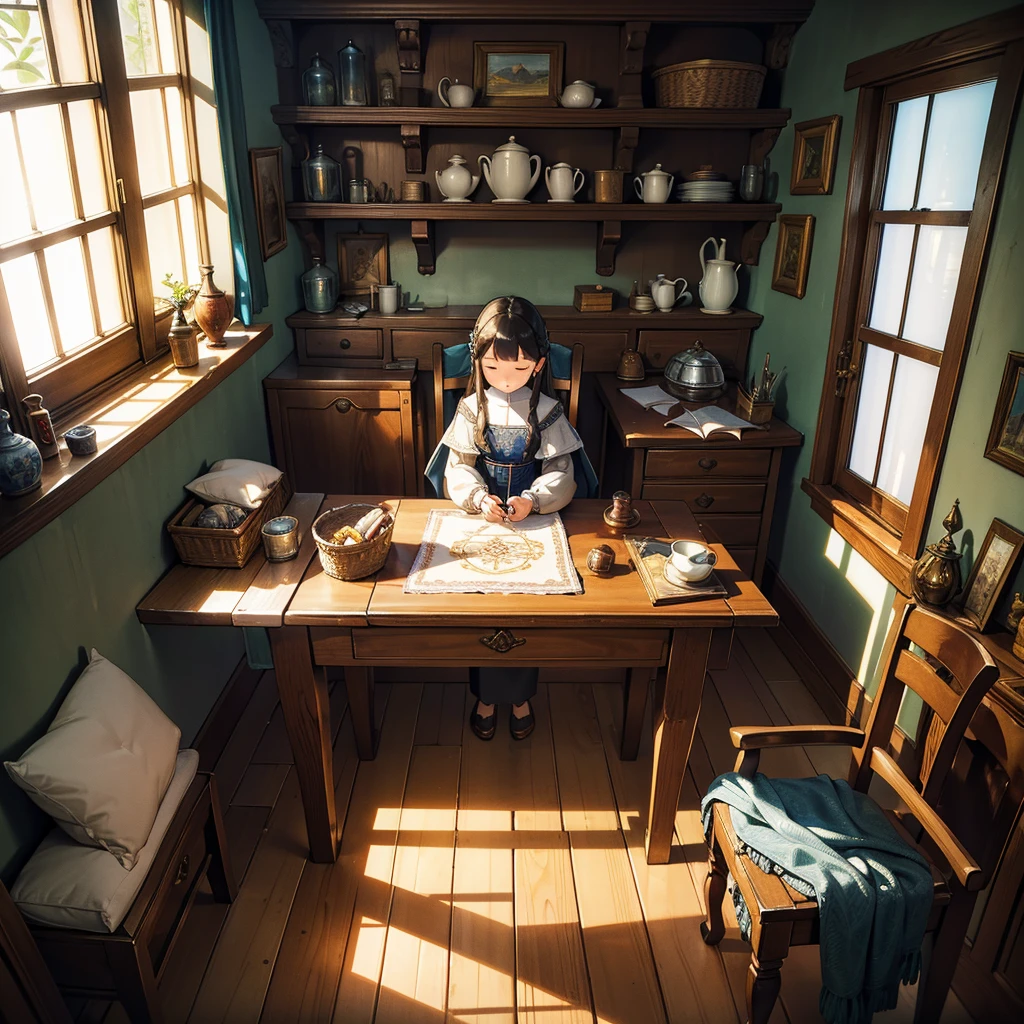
{"points": [[554, 488], [462, 482]]}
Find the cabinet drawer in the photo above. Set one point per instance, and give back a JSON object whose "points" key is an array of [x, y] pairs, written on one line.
{"points": [[698, 464], [729, 347], [710, 496], [339, 345], [730, 530], [427, 646]]}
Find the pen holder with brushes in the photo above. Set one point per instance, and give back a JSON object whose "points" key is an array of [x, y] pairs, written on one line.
{"points": [[753, 411]]}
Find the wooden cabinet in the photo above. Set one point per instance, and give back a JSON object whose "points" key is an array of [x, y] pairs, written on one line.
{"points": [[343, 430]]}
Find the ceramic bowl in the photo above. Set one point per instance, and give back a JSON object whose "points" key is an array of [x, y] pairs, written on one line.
{"points": [[81, 440]]}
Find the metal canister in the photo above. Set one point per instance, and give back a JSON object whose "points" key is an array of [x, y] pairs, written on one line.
{"points": [[281, 538], [359, 190]]}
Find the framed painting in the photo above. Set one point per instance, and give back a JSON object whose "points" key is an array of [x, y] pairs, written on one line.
{"points": [[362, 264], [1006, 436], [815, 144], [518, 74], [996, 562], [793, 254], [268, 188]]}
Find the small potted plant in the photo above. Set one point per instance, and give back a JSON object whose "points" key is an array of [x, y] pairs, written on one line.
{"points": [[182, 336]]}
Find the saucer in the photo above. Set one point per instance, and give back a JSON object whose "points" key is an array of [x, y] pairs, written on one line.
{"points": [[671, 575], [717, 312]]}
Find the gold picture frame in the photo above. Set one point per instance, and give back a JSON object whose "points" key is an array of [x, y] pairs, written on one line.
{"points": [[533, 78], [793, 254], [997, 561], [267, 169], [362, 264], [815, 144], [1006, 436]]}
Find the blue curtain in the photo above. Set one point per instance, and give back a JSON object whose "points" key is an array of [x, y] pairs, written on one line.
{"points": [[250, 280]]}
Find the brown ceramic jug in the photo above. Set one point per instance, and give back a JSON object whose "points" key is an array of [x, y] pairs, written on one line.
{"points": [[212, 310]]}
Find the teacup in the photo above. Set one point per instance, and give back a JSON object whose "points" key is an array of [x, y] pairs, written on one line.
{"points": [[691, 560]]}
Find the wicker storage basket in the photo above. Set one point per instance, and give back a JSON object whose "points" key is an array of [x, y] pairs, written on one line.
{"points": [[224, 549], [356, 560], [709, 83]]}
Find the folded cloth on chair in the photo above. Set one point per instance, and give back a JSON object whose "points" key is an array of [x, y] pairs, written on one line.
{"points": [[874, 892]]}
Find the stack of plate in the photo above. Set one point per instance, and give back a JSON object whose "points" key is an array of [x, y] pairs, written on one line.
{"points": [[705, 192]]}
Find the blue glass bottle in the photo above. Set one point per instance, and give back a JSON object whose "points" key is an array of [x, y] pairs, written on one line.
{"points": [[318, 83], [352, 71], [321, 177], [319, 287]]}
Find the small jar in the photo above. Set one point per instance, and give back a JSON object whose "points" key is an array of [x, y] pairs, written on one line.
{"points": [[386, 90], [321, 177], [359, 190], [319, 287], [352, 69], [318, 88]]}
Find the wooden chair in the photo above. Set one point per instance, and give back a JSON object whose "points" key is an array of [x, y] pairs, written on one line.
{"points": [[780, 916]]}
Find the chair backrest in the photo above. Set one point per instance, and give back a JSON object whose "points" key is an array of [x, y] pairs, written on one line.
{"points": [[567, 388]]}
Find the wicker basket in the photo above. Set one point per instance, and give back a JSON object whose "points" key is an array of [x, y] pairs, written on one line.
{"points": [[224, 549], [709, 84], [354, 561]]}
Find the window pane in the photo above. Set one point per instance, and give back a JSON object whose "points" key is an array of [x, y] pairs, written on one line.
{"points": [[164, 247], [905, 154], [107, 278], [952, 154], [23, 58], [137, 37], [187, 213], [933, 284], [41, 131], [165, 37], [176, 123], [14, 219], [65, 23], [151, 141], [904, 432], [891, 278], [88, 157], [28, 311], [876, 368], [65, 267]]}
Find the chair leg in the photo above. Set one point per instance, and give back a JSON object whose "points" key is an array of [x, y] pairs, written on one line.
{"points": [[220, 873], [764, 981], [712, 928], [937, 974], [136, 985]]}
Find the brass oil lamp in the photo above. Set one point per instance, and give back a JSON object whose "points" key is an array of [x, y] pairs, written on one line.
{"points": [[935, 578]]}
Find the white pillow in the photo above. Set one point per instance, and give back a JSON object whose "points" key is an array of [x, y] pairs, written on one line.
{"points": [[236, 481], [103, 766]]}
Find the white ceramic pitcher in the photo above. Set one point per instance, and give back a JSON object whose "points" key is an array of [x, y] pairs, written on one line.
{"points": [[663, 291], [719, 285]]}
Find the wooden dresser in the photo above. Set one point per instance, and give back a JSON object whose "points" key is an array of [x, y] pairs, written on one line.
{"points": [[728, 485]]}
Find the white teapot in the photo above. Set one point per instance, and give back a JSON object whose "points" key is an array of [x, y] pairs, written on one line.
{"points": [[578, 94], [456, 183], [508, 172], [456, 95], [654, 186], [719, 285]]}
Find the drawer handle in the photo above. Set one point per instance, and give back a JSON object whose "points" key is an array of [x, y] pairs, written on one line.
{"points": [[345, 343], [501, 641], [707, 463], [182, 870], [705, 501], [343, 404]]}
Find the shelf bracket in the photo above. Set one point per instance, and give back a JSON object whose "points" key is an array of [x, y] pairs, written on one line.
{"points": [[632, 40], [282, 40], [412, 143], [778, 45], [312, 233], [753, 238], [626, 140], [422, 232], [761, 144], [609, 234], [410, 61]]}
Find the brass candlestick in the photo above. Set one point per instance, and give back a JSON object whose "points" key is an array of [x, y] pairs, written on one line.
{"points": [[935, 578]]}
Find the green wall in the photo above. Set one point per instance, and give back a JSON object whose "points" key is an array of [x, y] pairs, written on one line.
{"points": [[74, 585], [848, 599]]}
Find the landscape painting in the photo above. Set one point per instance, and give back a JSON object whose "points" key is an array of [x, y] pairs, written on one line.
{"points": [[518, 74]]}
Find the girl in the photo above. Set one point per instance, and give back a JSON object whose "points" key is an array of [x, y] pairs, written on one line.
{"points": [[510, 451]]}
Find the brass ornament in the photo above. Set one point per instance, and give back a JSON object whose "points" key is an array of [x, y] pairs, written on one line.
{"points": [[935, 577], [501, 641]]}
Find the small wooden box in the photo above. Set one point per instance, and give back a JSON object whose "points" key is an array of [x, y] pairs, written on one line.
{"points": [[593, 298], [754, 412]]}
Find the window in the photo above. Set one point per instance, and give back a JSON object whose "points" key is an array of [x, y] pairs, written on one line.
{"points": [[922, 188], [98, 189]]}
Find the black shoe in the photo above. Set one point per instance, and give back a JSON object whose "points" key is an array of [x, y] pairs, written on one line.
{"points": [[482, 727], [521, 727]]}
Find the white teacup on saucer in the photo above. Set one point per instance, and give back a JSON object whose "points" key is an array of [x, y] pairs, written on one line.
{"points": [[690, 561]]}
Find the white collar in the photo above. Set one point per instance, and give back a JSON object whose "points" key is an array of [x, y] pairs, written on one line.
{"points": [[508, 398]]}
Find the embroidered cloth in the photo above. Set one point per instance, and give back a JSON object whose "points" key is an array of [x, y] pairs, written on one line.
{"points": [[465, 554]]}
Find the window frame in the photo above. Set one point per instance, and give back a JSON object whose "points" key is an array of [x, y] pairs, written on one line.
{"points": [[915, 68]]}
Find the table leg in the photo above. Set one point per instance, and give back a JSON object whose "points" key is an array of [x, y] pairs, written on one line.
{"points": [[675, 721], [306, 710], [359, 685], [634, 703]]}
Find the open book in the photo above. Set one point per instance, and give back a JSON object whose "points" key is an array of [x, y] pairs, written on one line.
{"points": [[652, 397], [708, 420]]}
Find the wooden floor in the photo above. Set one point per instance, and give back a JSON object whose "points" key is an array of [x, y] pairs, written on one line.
{"points": [[484, 882]]}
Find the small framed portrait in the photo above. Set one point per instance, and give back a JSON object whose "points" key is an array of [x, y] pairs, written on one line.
{"points": [[996, 562], [815, 144], [518, 74], [1006, 436], [793, 254], [362, 264], [268, 188]]}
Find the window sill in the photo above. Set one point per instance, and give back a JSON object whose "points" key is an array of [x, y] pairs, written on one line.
{"points": [[145, 404], [866, 536]]}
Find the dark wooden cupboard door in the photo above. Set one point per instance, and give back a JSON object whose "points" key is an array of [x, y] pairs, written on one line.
{"points": [[342, 440]]}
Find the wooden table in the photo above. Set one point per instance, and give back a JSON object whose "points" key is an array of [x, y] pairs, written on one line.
{"points": [[316, 621]]}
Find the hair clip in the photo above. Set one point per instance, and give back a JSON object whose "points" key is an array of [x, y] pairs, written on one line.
{"points": [[472, 343]]}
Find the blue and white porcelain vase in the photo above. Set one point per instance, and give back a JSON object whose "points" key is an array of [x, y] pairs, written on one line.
{"points": [[21, 465]]}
